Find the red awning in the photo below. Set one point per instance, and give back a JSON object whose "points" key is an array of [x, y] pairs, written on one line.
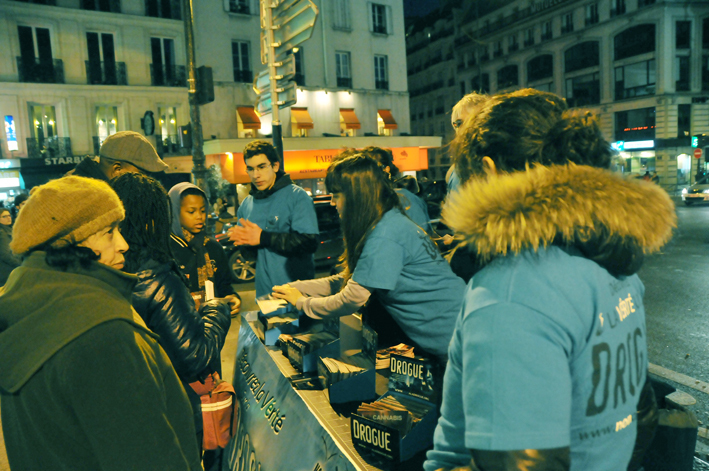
{"points": [[302, 118], [389, 121], [248, 116], [349, 117]]}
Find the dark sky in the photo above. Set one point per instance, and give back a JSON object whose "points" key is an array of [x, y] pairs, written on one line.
{"points": [[418, 7]]}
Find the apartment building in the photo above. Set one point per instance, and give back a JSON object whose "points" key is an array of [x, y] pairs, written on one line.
{"points": [[76, 71], [642, 66]]}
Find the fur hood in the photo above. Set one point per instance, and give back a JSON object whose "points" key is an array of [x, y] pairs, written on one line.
{"points": [[608, 218]]}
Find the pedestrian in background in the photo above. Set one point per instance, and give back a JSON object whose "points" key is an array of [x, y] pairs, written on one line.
{"points": [[556, 314], [465, 107], [278, 219], [8, 261], [124, 151], [200, 257], [192, 338], [84, 384]]}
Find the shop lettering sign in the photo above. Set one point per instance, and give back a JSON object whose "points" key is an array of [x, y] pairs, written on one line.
{"points": [[63, 160]]}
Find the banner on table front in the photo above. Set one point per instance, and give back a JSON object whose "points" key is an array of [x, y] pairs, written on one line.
{"points": [[275, 429]]}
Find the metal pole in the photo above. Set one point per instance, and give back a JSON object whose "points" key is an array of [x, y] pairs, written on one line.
{"points": [[277, 135], [199, 171]]}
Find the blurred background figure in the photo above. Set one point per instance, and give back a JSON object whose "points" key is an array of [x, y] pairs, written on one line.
{"points": [[8, 261]]}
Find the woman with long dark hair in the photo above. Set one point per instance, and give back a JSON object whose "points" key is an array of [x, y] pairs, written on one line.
{"points": [[387, 257], [192, 338]]}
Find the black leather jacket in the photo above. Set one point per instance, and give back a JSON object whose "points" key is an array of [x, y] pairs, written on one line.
{"points": [[191, 338]]}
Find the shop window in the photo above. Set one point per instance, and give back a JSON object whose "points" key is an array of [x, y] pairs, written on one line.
{"points": [[167, 125], [635, 125], [247, 122], [635, 80], [540, 67], [583, 90], [684, 120], [106, 122], [581, 56], [43, 122], [634, 41], [386, 123], [301, 122], [683, 30], [507, 77], [682, 73], [349, 123]]}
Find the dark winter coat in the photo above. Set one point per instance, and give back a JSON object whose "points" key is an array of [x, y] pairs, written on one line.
{"points": [[8, 261]]}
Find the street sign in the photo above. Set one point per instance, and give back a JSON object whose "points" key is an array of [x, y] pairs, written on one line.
{"points": [[293, 23], [697, 153], [285, 70], [286, 97]]}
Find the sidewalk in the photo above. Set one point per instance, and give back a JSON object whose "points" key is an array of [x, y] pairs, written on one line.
{"points": [[228, 358]]}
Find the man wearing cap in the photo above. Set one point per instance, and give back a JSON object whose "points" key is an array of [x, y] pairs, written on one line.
{"points": [[124, 151], [84, 384]]}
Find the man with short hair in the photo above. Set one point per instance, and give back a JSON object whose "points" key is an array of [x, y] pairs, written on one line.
{"points": [[278, 218], [124, 151]]}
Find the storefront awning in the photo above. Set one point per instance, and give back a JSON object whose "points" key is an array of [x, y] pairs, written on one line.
{"points": [[248, 116], [349, 117], [302, 118], [389, 121]]}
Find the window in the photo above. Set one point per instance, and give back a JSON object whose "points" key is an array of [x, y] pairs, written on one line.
{"points": [[512, 44], [617, 7], [43, 123], [591, 14], [341, 17], [113, 6], [349, 123], [683, 31], [635, 80], [635, 41], [247, 122], [106, 122], [484, 54], [462, 88], [705, 33], [507, 77], [546, 31], [482, 86], [581, 56], [644, 3], [567, 23], [544, 87], [583, 90], [386, 123], [342, 69], [102, 68], [169, 9], [299, 70], [163, 70], [529, 37], [684, 120], [35, 63], [497, 49], [682, 73], [301, 122], [167, 124], [705, 73], [540, 67], [381, 74], [239, 6], [635, 125], [379, 18], [242, 64]]}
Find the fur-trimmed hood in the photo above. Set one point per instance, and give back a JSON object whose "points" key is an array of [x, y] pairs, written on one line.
{"points": [[608, 218]]}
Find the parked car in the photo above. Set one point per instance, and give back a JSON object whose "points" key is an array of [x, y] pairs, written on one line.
{"points": [[242, 260], [697, 193]]}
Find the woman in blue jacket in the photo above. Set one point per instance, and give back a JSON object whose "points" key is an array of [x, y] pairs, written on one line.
{"points": [[388, 257], [548, 362]]}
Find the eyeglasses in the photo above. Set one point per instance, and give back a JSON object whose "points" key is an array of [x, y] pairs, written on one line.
{"points": [[260, 168]]}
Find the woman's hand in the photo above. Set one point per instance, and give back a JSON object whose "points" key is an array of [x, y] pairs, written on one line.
{"points": [[286, 292], [234, 304]]}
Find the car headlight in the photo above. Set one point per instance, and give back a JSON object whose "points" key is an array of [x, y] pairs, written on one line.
{"points": [[684, 191], [705, 191]]}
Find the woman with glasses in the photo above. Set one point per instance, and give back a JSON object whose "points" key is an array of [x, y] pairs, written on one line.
{"points": [[8, 262]]}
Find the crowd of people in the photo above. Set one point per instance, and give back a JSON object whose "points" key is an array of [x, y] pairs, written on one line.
{"points": [[122, 299]]}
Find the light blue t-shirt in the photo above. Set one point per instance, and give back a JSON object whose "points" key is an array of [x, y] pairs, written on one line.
{"points": [[412, 281], [289, 209], [453, 182], [415, 208], [549, 351]]}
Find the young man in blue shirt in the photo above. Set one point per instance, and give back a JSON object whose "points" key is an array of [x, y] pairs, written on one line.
{"points": [[278, 218]]}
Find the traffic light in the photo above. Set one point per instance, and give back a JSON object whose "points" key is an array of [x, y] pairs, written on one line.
{"points": [[695, 141], [700, 141]]}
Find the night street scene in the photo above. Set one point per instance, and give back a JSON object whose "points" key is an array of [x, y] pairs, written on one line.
{"points": [[309, 235]]}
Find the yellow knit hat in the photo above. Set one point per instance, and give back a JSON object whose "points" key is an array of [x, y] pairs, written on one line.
{"points": [[65, 212]]}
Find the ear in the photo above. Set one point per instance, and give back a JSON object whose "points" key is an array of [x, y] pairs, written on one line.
{"points": [[276, 166], [489, 166], [387, 169]]}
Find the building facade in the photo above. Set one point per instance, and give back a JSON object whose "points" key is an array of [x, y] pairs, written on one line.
{"points": [[76, 71], [641, 66]]}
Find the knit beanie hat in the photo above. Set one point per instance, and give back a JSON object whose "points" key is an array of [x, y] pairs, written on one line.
{"points": [[65, 212]]}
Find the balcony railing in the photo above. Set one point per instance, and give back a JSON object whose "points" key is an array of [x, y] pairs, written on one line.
{"points": [[106, 73], [168, 76], [567, 29], [344, 82], [497, 53], [170, 146], [546, 36], [381, 84], [618, 11], [592, 19], [246, 76], [379, 28], [528, 42], [49, 147], [513, 47], [33, 70], [642, 90]]}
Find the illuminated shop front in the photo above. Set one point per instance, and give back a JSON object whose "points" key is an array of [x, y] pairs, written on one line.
{"points": [[635, 157]]}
